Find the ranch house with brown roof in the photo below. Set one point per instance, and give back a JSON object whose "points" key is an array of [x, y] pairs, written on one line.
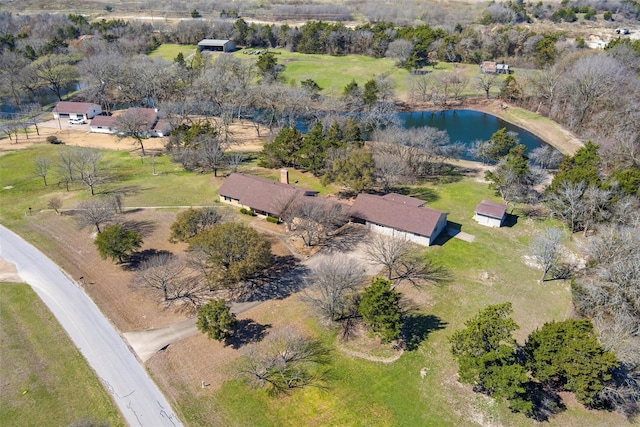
{"points": [[261, 195], [399, 216]]}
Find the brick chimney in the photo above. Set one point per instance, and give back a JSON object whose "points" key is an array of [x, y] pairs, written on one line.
{"points": [[284, 176]]}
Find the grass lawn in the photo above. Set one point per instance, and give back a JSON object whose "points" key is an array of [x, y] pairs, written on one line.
{"points": [[45, 379], [333, 73], [170, 186], [169, 51]]}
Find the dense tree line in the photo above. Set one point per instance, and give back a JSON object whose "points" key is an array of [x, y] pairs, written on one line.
{"points": [[560, 356]]}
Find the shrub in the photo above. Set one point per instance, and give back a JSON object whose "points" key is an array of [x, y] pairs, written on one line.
{"points": [[52, 139], [247, 212], [272, 219]]}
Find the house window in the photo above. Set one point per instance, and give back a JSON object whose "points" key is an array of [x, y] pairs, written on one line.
{"points": [[226, 198]]}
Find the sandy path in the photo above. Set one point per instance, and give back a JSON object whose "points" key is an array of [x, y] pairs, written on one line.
{"points": [[9, 272]]}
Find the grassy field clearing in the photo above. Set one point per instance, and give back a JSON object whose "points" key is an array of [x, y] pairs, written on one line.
{"points": [[170, 186], [169, 51], [333, 73], [45, 380]]}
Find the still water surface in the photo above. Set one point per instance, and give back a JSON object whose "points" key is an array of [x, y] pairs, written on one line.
{"points": [[466, 126]]}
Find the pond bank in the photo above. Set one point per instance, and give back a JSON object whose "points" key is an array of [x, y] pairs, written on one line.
{"points": [[547, 130]]}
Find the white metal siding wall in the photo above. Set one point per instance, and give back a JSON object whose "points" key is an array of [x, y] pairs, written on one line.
{"points": [[485, 220], [388, 231]]}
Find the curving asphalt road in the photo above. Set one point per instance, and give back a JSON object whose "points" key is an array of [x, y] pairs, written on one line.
{"points": [[137, 396]]}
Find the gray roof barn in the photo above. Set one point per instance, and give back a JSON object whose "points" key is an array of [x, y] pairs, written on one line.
{"points": [[217, 45]]}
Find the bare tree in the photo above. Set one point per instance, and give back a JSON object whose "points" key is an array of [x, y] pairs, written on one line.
{"points": [[544, 249], [596, 207], [55, 203], [95, 212], [546, 157], [310, 217], [331, 286], [401, 50], [134, 123], [315, 218], [389, 170], [88, 168], [401, 260], [66, 166], [566, 203], [285, 360], [387, 251], [167, 274], [235, 159], [55, 71], [42, 165], [485, 82]]}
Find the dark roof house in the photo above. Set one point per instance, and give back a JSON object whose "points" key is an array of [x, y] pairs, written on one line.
{"points": [[400, 216], [262, 195]]}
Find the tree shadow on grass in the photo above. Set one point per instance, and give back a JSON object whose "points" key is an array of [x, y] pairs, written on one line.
{"points": [[145, 228], [247, 332], [422, 193], [282, 280], [546, 403], [137, 258], [417, 328]]}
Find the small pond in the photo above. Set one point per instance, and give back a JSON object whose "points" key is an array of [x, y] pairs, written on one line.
{"points": [[466, 126]]}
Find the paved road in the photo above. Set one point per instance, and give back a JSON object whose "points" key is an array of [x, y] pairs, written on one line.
{"points": [[137, 396]]}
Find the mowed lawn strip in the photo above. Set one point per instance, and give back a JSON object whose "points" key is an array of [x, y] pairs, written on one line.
{"points": [[45, 379], [169, 51]]}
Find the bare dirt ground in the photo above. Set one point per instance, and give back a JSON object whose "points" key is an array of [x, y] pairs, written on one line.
{"points": [[244, 134], [8, 272]]}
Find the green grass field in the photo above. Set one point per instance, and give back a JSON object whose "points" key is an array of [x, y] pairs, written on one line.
{"points": [[333, 73], [171, 186], [169, 51], [45, 379]]}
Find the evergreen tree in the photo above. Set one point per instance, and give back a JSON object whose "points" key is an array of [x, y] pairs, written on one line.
{"points": [[567, 356], [500, 144], [283, 149], [311, 156], [370, 93], [116, 243], [485, 351], [380, 309], [582, 167], [216, 320]]}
